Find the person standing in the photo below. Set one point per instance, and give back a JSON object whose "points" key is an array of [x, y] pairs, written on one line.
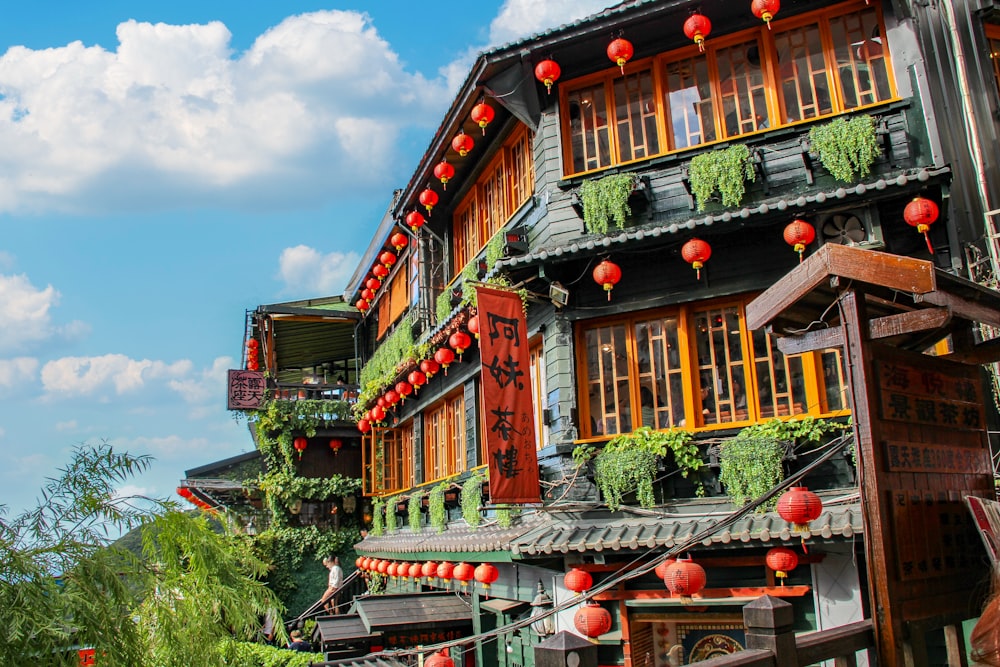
{"points": [[334, 582]]}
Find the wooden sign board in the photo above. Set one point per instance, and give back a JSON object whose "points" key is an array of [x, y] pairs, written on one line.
{"points": [[245, 390]]}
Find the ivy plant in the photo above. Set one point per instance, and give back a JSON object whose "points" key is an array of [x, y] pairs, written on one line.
{"points": [[723, 170], [397, 349], [413, 509], [470, 499], [390, 514], [505, 515], [249, 653], [628, 463], [378, 517], [846, 147], [287, 487], [436, 513], [605, 200]]}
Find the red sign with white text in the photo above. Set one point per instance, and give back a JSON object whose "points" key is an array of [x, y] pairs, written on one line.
{"points": [[509, 417]]}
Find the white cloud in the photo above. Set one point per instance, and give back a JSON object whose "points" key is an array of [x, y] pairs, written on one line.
{"points": [[24, 312], [170, 447], [316, 103], [521, 18], [206, 391], [308, 271], [85, 376], [17, 372], [65, 426]]}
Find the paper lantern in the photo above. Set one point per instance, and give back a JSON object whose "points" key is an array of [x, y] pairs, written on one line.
{"points": [[391, 397], [463, 573], [362, 305], [661, 569], [300, 445], [685, 578], [378, 414], [799, 234], [462, 143], [383, 566], [417, 379], [765, 10], [429, 570], [444, 571], [620, 51], [799, 506], [444, 356], [592, 620], [364, 425], [697, 27], [415, 220], [578, 581], [696, 252], [399, 241], [392, 569], [380, 272], [373, 284], [367, 294], [414, 571], [473, 326], [444, 172], [486, 574], [336, 444], [483, 115], [404, 389], [460, 342], [922, 213], [439, 659], [548, 72], [429, 367], [428, 199], [387, 259], [782, 560], [607, 274]]}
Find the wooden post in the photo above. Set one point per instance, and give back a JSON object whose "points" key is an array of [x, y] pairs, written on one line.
{"points": [[769, 621]]}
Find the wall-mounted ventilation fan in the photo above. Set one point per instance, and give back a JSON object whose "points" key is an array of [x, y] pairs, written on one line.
{"points": [[850, 228]]}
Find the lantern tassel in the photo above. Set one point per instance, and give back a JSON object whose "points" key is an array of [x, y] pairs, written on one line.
{"points": [[924, 228]]}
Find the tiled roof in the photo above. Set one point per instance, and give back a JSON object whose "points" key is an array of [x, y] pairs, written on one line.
{"points": [[384, 612], [457, 538], [669, 530], [590, 245], [341, 628]]}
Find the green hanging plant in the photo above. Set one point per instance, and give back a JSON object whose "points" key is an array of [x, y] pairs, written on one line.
{"points": [[723, 170], [846, 147], [628, 463], [605, 200], [390, 514], [413, 509], [436, 512], [505, 515], [378, 517], [471, 498]]}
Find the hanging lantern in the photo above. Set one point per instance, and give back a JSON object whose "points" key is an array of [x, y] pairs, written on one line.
{"points": [[383, 566], [380, 401], [429, 367], [460, 342], [661, 569], [414, 571], [417, 379], [253, 344], [444, 172], [607, 274], [578, 581], [444, 572], [428, 199], [404, 389], [380, 272], [367, 294], [473, 326], [358, 561], [620, 51], [592, 620], [364, 425], [391, 397], [364, 563], [362, 305], [439, 659], [548, 72], [922, 213], [399, 241], [486, 574], [782, 560], [799, 506], [462, 143], [415, 220], [697, 27], [429, 570], [300, 445], [336, 444], [378, 414], [392, 570], [685, 578], [696, 252], [799, 234], [463, 573], [373, 284], [483, 115], [387, 259], [765, 10], [444, 356]]}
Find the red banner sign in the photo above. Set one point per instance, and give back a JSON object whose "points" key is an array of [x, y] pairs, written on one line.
{"points": [[509, 416]]}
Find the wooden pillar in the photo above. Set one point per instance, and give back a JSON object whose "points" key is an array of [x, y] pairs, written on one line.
{"points": [[768, 622]]}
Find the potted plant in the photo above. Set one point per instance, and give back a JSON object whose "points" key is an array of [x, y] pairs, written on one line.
{"points": [[723, 170], [605, 200], [846, 147]]}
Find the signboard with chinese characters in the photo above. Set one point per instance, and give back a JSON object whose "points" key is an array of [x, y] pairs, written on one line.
{"points": [[245, 390], [509, 426]]}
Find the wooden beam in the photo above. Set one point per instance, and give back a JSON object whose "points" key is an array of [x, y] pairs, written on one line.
{"points": [[983, 353], [811, 341], [910, 322], [963, 308]]}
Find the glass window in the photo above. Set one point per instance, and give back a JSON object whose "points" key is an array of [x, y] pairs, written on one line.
{"points": [[590, 146], [444, 428], [834, 380], [635, 116], [608, 380], [859, 50], [689, 102], [538, 393], [781, 389], [722, 381], [397, 459], [803, 85], [661, 379], [741, 85]]}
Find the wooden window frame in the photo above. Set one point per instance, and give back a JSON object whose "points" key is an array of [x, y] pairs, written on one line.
{"points": [[444, 438], [774, 116], [815, 404]]}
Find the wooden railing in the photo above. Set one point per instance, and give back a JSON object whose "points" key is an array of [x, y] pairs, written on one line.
{"points": [[772, 643]]}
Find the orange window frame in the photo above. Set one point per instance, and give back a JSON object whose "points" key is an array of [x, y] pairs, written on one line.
{"points": [[444, 435]]}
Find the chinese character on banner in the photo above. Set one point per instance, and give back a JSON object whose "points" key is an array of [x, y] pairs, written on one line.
{"points": [[246, 390], [510, 425]]}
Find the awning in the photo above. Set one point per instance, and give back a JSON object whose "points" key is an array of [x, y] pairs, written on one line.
{"points": [[385, 613], [345, 629]]}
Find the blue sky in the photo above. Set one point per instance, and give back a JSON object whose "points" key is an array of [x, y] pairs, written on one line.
{"points": [[167, 166]]}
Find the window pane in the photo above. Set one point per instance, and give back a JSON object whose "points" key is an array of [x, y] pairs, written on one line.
{"points": [[539, 395], [858, 45], [635, 114], [689, 100], [834, 381], [741, 82], [781, 387], [607, 380], [802, 79], [522, 170], [722, 381], [589, 138], [661, 396]]}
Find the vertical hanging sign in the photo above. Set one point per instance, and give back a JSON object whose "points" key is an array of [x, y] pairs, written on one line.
{"points": [[510, 422]]}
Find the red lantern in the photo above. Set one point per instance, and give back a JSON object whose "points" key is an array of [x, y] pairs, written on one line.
{"points": [[548, 72], [428, 199], [367, 294], [578, 581], [414, 571], [782, 560], [364, 425], [362, 305], [685, 578], [697, 27], [373, 284], [387, 259], [364, 563], [392, 569], [378, 414], [399, 241], [696, 252], [383, 566], [404, 389], [592, 620], [336, 444], [300, 445], [473, 326], [444, 356], [799, 234], [253, 344], [380, 272], [184, 492], [463, 573], [429, 367], [381, 402], [765, 10], [358, 561], [483, 115], [462, 143], [460, 342], [444, 172], [415, 220], [429, 570], [417, 379], [440, 659], [922, 213], [486, 574], [799, 506], [391, 397], [607, 274], [661, 569], [620, 51], [445, 571]]}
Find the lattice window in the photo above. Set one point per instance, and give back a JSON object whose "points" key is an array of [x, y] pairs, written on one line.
{"points": [[741, 86], [859, 49], [635, 116], [689, 102], [589, 134], [803, 82]]}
